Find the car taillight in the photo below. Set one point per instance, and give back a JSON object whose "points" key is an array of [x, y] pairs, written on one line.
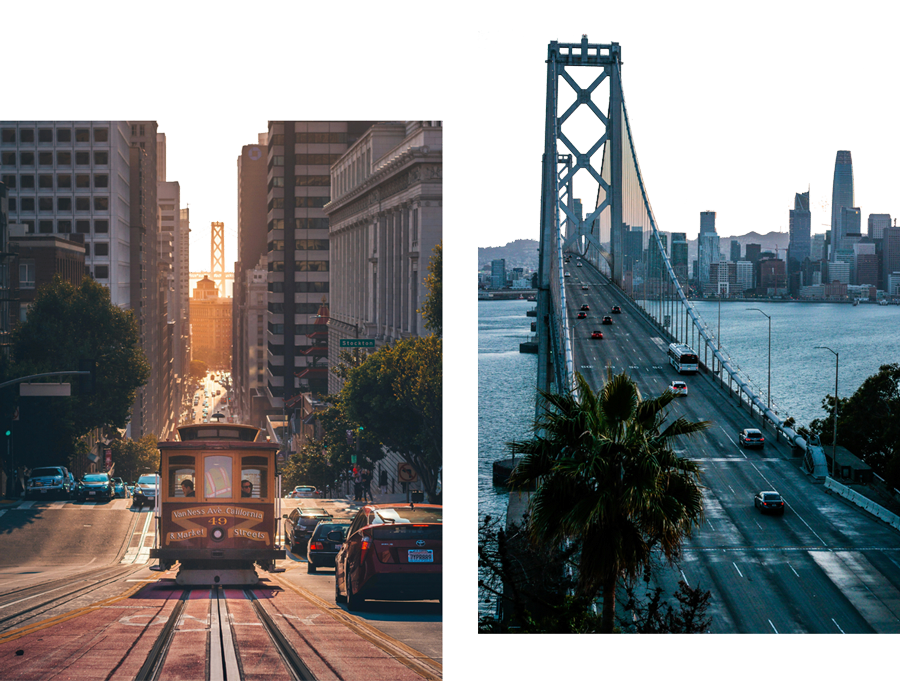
{"points": [[316, 546], [364, 545]]}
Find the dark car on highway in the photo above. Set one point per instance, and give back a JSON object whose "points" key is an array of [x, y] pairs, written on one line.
{"points": [[144, 491], [616, 309], [322, 549], [94, 487], [299, 526], [769, 502], [751, 437], [48, 481], [392, 552], [607, 319], [582, 315]]}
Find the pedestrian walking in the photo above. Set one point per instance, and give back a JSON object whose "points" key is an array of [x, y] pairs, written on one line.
{"points": [[357, 486], [367, 485]]}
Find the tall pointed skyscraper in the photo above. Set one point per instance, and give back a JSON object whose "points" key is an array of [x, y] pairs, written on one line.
{"points": [[841, 197]]}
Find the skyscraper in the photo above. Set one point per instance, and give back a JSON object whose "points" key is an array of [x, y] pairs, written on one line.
{"points": [[841, 196], [735, 250], [877, 223], [708, 244]]}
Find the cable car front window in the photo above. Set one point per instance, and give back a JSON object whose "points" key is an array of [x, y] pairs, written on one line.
{"points": [[217, 477]]}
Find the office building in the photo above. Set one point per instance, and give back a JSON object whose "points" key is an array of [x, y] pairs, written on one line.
{"points": [[210, 325], [300, 156], [753, 252], [865, 262], [817, 248], [744, 275], [877, 223], [890, 253], [841, 196], [799, 221], [707, 244], [679, 256], [498, 273], [95, 182], [249, 305], [380, 250]]}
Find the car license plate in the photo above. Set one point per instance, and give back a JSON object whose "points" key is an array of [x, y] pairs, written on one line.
{"points": [[92, 493], [417, 556], [43, 491]]}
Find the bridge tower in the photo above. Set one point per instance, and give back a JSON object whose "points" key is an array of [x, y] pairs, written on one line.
{"points": [[217, 255], [563, 228]]}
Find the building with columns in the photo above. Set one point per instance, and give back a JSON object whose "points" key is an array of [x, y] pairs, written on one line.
{"points": [[384, 220]]}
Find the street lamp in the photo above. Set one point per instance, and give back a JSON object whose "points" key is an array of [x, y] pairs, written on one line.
{"points": [[769, 389], [834, 436]]}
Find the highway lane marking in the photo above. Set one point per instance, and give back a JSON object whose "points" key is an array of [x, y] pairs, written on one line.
{"points": [[773, 627], [738, 569], [684, 577], [792, 569], [837, 625], [819, 549], [771, 486]]}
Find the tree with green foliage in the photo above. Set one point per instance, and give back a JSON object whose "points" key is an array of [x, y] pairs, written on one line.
{"points": [[432, 308], [396, 397], [198, 369], [133, 458], [606, 475], [868, 423], [65, 325], [309, 465]]}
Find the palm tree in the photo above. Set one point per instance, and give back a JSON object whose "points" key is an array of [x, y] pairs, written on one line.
{"points": [[607, 476]]}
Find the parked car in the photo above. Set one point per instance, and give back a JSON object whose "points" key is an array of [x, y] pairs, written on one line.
{"points": [[679, 388], [321, 550], [751, 437], [94, 487], [145, 491], [299, 526], [391, 552], [120, 489], [769, 502], [49, 481], [305, 492], [597, 335]]}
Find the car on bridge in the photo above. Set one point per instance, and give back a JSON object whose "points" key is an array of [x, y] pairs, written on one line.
{"points": [[584, 288], [582, 315], [769, 502], [597, 335], [751, 437], [579, 264], [679, 388], [607, 319], [586, 307], [616, 309]]}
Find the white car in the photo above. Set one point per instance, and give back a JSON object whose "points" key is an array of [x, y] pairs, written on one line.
{"points": [[305, 492], [679, 388]]}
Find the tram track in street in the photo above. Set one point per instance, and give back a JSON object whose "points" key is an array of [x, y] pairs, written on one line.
{"points": [[57, 593], [224, 660]]}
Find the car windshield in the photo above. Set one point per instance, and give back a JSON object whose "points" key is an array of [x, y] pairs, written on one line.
{"points": [[408, 515], [96, 477], [147, 480], [753, 433], [42, 472], [772, 497], [314, 511], [324, 528]]}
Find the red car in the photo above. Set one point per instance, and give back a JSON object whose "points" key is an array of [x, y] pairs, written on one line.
{"points": [[392, 552], [597, 334]]}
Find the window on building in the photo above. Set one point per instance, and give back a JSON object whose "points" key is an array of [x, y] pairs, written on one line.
{"points": [[82, 158], [26, 135], [8, 158], [276, 266], [101, 248], [101, 271], [83, 181], [87, 249], [8, 136], [310, 223], [312, 180], [101, 203], [141, 132], [64, 226], [64, 181], [82, 135], [26, 274], [45, 135], [63, 158], [311, 265], [101, 226], [101, 181], [45, 226], [278, 160], [13, 205], [45, 203], [310, 201], [101, 158], [10, 181], [83, 226], [63, 135], [26, 205], [26, 181], [45, 158], [276, 182], [101, 134], [26, 158], [82, 203], [64, 204], [276, 245], [45, 181]]}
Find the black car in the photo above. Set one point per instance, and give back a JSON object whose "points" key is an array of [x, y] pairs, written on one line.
{"points": [[144, 493], [321, 550], [751, 437], [616, 309], [299, 526], [96, 486], [48, 481], [607, 319], [769, 502]]}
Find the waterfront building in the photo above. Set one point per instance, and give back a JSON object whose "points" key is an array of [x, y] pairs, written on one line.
{"points": [[722, 279], [707, 245], [752, 252], [893, 284], [817, 249], [498, 273], [865, 263], [877, 223], [679, 256], [772, 276], [839, 270], [744, 275], [735, 250], [890, 252], [634, 246], [708, 222]]}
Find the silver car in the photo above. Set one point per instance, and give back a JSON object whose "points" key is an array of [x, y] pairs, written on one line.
{"points": [[48, 481]]}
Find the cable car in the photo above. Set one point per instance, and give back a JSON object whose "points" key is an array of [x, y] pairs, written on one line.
{"points": [[218, 505]]}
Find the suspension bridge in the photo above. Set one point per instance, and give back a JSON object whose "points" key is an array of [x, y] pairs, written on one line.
{"points": [[590, 150]]}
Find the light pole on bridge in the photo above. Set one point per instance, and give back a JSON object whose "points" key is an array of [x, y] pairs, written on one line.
{"points": [[834, 435], [769, 389]]}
